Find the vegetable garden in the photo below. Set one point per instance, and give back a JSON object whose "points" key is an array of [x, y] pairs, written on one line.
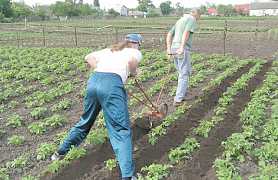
{"points": [[227, 129]]}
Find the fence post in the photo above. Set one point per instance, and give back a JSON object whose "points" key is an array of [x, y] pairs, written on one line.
{"points": [[225, 37], [25, 23], [75, 36], [117, 34], [257, 29], [17, 38], [43, 33]]}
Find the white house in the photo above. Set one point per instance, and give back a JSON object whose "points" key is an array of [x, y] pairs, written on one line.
{"points": [[124, 11], [264, 8], [136, 13]]}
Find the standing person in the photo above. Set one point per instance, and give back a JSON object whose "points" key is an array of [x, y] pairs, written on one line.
{"points": [[179, 43], [105, 90]]}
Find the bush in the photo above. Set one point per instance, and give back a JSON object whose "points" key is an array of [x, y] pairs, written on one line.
{"points": [[6, 20], [113, 13], [153, 13], [1, 16]]}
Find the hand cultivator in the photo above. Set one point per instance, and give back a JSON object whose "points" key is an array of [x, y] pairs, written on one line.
{"points": [[157, 110]]}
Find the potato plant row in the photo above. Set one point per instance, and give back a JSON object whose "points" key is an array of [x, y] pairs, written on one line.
{"points": [[185, 150], [258, 140]]}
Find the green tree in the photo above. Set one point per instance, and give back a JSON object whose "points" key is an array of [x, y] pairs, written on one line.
{"points": [[165, 8], [65, 9], [41, 11], [70, 1], [152, 13], [1, 16], [96, 3], [179, 9], [58, 9], [203, 9], [21, 10], [112, 12], [226, 10], [85, 9], [145, 5], [6, 8]]}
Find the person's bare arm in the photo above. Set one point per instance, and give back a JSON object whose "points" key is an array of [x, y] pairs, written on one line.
{"points": [[91, 60], [132, 65], [169, 39]]}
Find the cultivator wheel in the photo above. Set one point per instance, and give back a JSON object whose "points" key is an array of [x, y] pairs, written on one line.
{"points": [[152, 118]]}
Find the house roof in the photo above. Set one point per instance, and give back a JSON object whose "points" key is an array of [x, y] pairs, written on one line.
{"points": [[242, 6], [212, 11], [264, 5]]}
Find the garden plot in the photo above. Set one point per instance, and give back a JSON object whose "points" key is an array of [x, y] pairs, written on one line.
{"points": [[41, 98]]}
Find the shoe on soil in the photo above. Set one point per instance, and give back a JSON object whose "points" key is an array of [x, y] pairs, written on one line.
{"points": [[56, 156], [177, 104]]}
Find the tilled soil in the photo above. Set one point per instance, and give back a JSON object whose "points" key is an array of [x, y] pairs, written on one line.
{"points": [[199, 167], [244, 45]]}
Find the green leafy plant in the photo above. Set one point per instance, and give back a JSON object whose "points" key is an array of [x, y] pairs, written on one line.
{"points": [[16, 140], [181, 152], [59, 138], [4, 174], [62, 105], [110, 164], [29, 177], [38, 112], [45, 150], [14, 121], [75, 153], [13, 104], [155, 171], [55, 166], [37, 128], [19, 162], [268, 152], [266, 171], [96, 136], [2, 108], [204, 128], [235, 146], [55, 121], [225, 170]]}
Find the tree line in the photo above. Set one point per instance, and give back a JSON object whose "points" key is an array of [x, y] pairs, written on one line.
{"points": [[11, 11]]}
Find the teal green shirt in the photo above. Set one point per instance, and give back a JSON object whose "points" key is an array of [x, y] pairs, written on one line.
{"points": [[186, 23]]}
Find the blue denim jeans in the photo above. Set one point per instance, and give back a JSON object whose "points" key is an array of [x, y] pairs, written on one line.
{"points": [[183, 66], [106, 91]]}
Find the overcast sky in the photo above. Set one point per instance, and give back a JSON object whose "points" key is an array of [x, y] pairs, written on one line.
{"points": [[133, 3]]}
